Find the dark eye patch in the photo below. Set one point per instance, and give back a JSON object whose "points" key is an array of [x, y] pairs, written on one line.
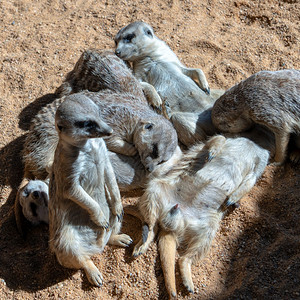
{"points": [[85, 124], [129, 37], [148, 31]]}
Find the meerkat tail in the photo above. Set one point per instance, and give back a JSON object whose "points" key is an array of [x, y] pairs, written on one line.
{"points": [[167, 250]]}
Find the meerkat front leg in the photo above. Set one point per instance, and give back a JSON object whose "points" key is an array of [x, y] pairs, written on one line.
{"points": [[116, 144], [199, 77], [167, 251], [185, 266], [151, 95], [84, 200], [113, 192], [214, 146], [281, 140]]}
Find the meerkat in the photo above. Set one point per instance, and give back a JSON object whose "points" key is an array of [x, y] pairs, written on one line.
{"points": [[33, 199], [270, 98], [85, 208], [193, 127], [188, 200], [184, 89], [41, 141], [96, 70], [141, 141]]}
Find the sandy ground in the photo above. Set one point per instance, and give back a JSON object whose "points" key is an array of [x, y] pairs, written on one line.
{"points": [[256, 254]]}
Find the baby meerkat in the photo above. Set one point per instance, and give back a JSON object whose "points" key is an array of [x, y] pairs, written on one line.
{"points": [[96, 71], [85, 209], [270, 98], [188, 200]]}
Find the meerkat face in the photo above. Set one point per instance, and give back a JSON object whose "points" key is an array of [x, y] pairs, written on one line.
{"points": [[134, 41], [78, 118], [172, 219], [156, 143], [34, 200]]}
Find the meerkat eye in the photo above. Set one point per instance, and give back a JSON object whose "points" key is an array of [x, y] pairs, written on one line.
{"points": [[149, 32], [148, 126], [35, 194], [59, 127], [85, 124], [129, 37]]}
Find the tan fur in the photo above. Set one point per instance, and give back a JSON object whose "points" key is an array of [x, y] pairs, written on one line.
{"points": [[105, 71], [205, 180], [184, 89], [96, 71], [269, 98], [85, 204]]}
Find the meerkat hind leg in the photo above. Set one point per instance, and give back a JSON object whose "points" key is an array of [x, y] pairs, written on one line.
{"points": [[199, 77], [142, 246], [167, 251], [185, 266]]}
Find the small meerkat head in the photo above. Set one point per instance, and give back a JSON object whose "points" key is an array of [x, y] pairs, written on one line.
{"points": [[155, 141], [172, 219], [134, 41], [34, 198], [78, 118]]}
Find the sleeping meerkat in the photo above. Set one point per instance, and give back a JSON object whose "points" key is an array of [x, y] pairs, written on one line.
{"points": [[85, 209], [188, 200], [184, 89], [96, 70], [269, 98]]}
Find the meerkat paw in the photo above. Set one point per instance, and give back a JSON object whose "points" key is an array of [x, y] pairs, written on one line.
{"points": [[94, 276], [139, 249], [117, 210], [122, 240], [101, 221], [189, 286]]}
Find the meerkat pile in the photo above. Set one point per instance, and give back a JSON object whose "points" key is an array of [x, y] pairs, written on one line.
{"points": [[108, 130]]}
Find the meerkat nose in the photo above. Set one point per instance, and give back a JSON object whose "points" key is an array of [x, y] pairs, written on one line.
{"points": [[118, 52]]}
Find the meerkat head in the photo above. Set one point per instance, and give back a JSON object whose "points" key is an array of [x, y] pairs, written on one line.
{"points": [[134, 41], [155, 141], [172, 219], [78, 118], [34, 198]]}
